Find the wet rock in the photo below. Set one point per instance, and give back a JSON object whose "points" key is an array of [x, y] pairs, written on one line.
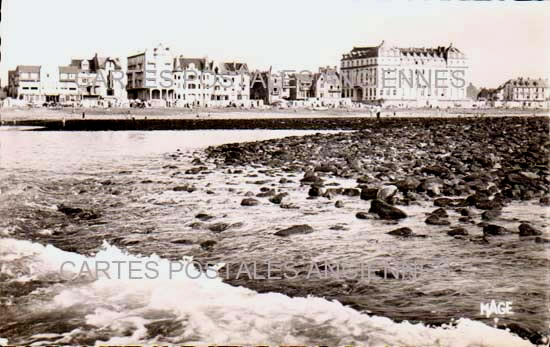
{"points": [[249, 202], [545, 201], [408, 184], [457, 232], [369, 193], [386, 193], [527, 230], [315, 191], [435, 220], [436, 170], [311, 178], [493, 230], [195, 170], [464, 212], [266, 194], [403, 232], [69, 211], [295, 230], [440, 212], [488, 204], [249, 194], [491, 214], [186, 188], [208, 244], [196, 225], [339, 204], [351, 192], [362, 215], [386, 211], [432, 186], [204, 217], [288, 206], [218, 227], [338, 227], [277, 199]]}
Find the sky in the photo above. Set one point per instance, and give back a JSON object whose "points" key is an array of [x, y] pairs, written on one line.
{"points": [[502, 39]]}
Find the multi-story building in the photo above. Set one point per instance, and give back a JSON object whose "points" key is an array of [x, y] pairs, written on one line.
{"points": [[163, 79], [326, 84], [301, 85], [528, 92], [25, 83], [405, 76], [100, 78], [269, 87]]}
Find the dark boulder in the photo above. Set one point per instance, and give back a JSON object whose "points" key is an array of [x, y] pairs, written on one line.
{"points": [[457, 232], [315, 191], [295, 230], [403, 232], [527, 230], [369, 193], [491, 214], [493, 230], [386, 211], [208, 244], [435, 220], [249, 202], [218, 227]]}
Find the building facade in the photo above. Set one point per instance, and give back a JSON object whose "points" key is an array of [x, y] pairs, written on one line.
{"points": [[526, 92], [420, 77], [164, 79], [269, 87], [326, 84]]}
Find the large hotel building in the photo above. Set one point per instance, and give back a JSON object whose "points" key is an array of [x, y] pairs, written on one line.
{"points": [[421, 77]]}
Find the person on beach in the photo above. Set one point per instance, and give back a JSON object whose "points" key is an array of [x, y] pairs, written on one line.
{"points": [[83, 115]]}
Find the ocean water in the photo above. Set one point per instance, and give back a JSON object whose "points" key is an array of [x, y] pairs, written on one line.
{"points": [[128, 178]]}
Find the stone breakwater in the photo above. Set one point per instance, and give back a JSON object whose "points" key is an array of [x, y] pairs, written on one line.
{"points": [[470, 168], [490, 161]]}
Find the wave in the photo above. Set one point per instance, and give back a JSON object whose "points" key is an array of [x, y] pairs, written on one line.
{"points": [[194, 307]]}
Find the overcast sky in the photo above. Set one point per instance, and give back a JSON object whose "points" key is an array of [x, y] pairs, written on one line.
{"points": [[502, 39]]}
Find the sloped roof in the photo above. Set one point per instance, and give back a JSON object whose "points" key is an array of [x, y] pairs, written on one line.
{"points": [[28, 68], [182, 63], [68, 69], [528, 82]]}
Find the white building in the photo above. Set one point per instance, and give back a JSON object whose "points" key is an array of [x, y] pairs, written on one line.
{"points": [[405, 76]]}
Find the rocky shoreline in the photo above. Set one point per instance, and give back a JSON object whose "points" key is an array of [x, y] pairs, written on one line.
{"points": [[460, 166]]}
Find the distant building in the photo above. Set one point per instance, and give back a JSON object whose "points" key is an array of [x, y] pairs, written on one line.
{"points": [[529, 92], [326, 84], [405, 76], [301, 86], [99, 78], [163, 79], [472, 92], [269, 87]]}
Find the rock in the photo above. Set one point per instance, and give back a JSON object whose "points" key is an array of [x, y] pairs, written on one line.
{"points": [[182, 242], [404, 232], [351, 192], [311, 178], [277, 199], [362, 215], [266, 194], [315, 191], [488, 205], [186, 188], [69, 211], [369, 193], [249, 202], [436, 170], [218, 227], [492, 229], [408, 184], [208, 244], [204, 217], [491, 214], [295, 230], [289, 206], [440, 212], [386, 193], [435, 220], [386, 211], [464, 212], [447, 202], [545, 201], [527, 230], [339, 204], [432, 186], [457, 232], [338, 227], [249, 194]]}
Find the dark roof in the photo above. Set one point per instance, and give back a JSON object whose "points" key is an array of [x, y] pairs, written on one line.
{"points": [[528, 82], [368, 52], [233, 67], [28, 68], [68, 69], [183, 63]]}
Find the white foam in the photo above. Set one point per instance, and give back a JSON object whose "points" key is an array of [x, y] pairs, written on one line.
{"points": [[211, 311]]}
